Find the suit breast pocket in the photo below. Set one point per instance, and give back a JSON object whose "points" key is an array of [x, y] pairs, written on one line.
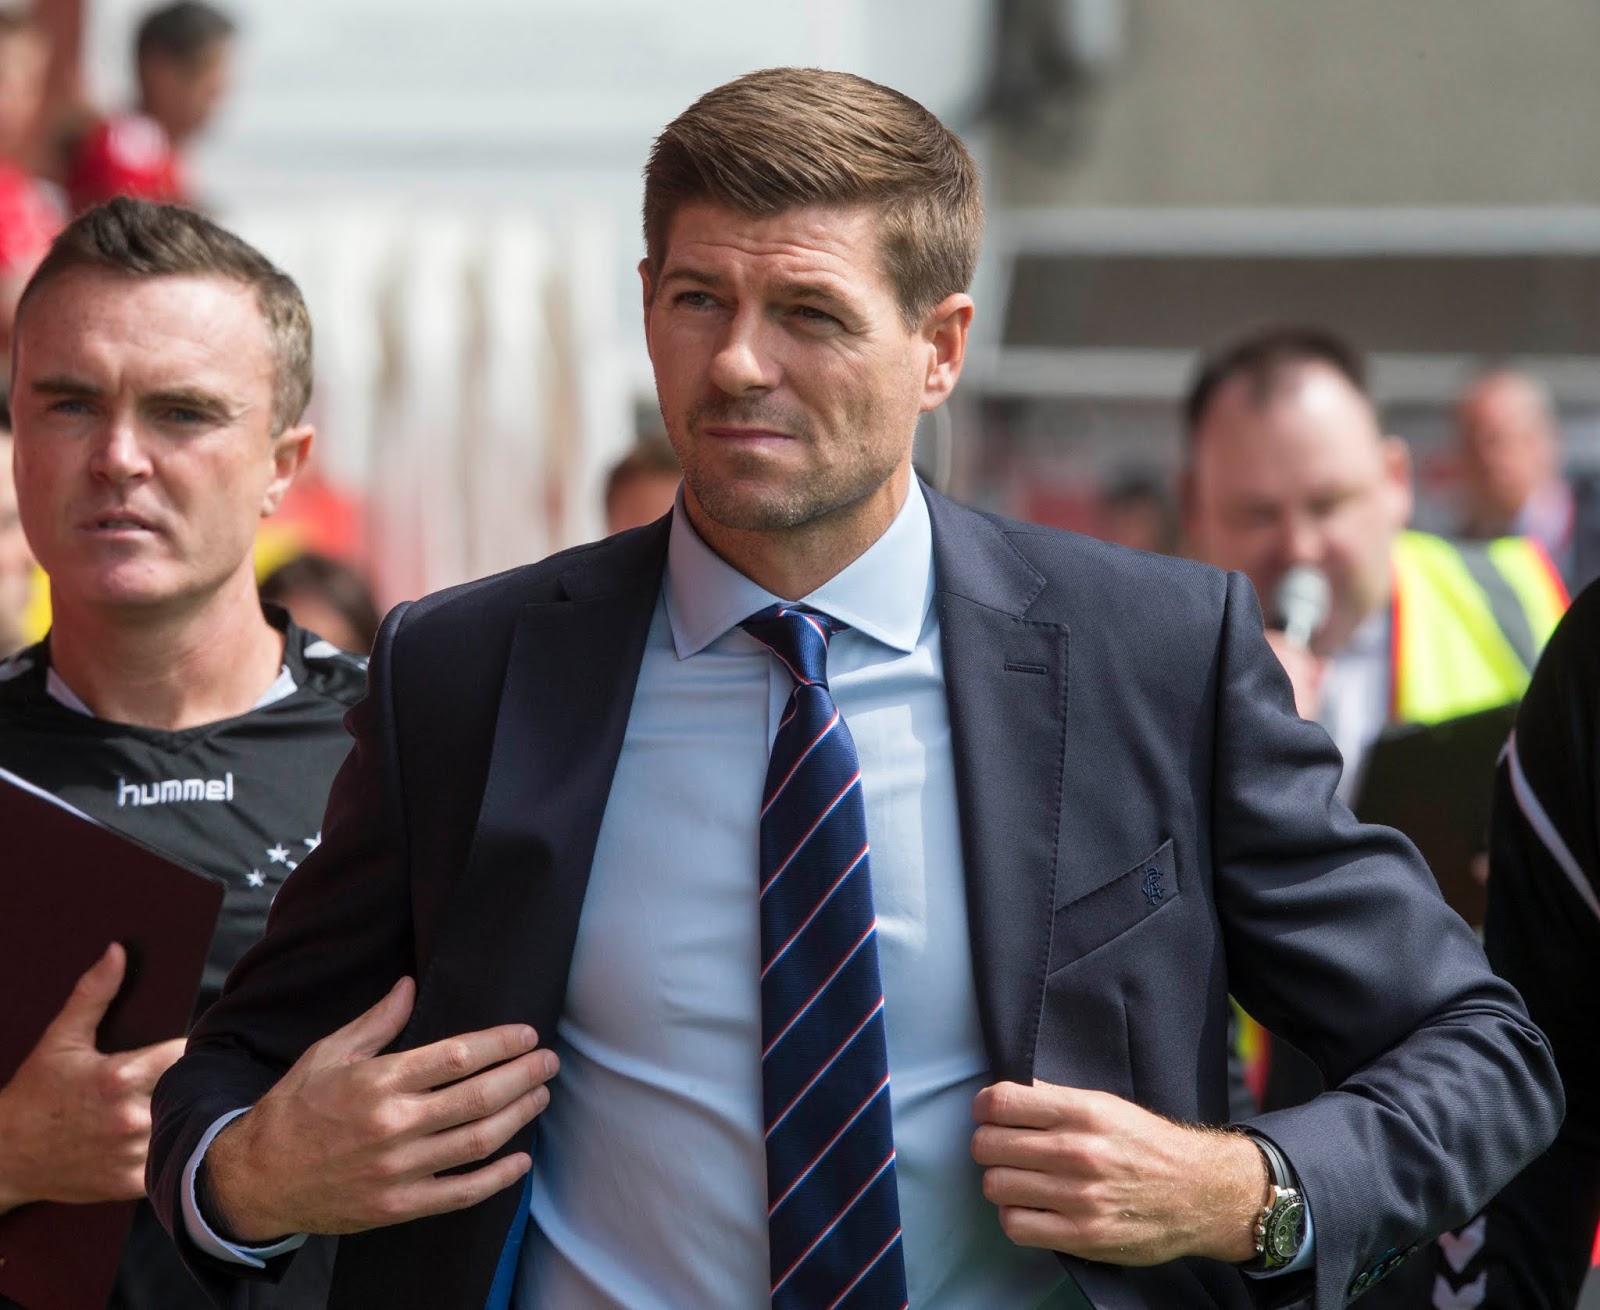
{"points": [[1101, 916]]}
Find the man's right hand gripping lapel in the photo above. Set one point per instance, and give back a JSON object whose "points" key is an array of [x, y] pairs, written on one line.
{"points": [[350, 1139]]}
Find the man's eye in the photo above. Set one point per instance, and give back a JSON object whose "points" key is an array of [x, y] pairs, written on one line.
{"points": [[811, 314], [1254, 518], [182, 415], [693, 300], [69, 405]]}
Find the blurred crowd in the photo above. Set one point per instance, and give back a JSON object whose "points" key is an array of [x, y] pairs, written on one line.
{"points": [[59, 156]]}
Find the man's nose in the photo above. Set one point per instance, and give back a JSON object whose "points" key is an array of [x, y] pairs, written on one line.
{"points": [[1304, 541], [744, 359], [119, 454]]}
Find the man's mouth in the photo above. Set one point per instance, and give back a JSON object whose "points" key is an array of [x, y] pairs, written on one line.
{"points": [[752, 436], [120, 522]]}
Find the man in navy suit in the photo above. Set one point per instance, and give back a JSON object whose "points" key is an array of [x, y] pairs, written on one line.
{"points": [[1091, 813]]}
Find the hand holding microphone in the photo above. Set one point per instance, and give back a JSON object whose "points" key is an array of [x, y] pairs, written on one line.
{"points": [[1302, 603], [1301, 600]]}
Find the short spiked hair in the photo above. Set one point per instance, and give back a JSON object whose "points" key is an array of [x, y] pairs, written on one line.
{"points": [[784, 138], [139, 239]]}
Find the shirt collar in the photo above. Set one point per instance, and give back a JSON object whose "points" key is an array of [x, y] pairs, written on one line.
{"points": [[283, 686], [884, 593], [1371, 637]]}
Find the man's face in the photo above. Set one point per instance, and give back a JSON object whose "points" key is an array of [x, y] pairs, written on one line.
{"points": [[183, 94], [16, 564], [1508, 448], [789, 383], [24, 62], [144, 447], [640, 499], [1302, 476]]}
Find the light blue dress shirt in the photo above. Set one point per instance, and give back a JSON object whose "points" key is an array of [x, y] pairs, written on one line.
{"points": [[648, 1190]]}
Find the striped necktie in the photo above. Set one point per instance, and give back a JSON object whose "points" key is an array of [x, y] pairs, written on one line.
{"points": [[833, 1218]]}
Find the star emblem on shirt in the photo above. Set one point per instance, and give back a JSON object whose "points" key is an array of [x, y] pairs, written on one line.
{"points": [[313, 842], [278, 854], [256, 878]]}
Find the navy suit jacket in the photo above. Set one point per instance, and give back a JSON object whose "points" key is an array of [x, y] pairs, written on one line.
{"points": [[1146, 826]]}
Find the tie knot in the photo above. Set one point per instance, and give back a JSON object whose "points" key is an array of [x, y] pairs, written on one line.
{"points": [[798, 637]]}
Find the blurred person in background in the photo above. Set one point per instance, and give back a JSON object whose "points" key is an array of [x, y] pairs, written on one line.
{"points": [[183, 58], [30, 210], [642, 485], [326, 597], [16, 563], [162, 371], [1289, 466], [1137, 509], [24, 67], [1508, 449]]}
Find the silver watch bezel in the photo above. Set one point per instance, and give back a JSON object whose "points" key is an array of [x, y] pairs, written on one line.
{"points": [[1281, 1232]]}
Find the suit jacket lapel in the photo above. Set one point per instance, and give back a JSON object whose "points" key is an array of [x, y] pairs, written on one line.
{"points": [[502, 955], [1006, 682], [503, 952]]}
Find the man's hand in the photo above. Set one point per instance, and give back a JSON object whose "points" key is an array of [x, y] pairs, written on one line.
{"points": [[350, 1139], [1096, 1176], [1305, 672], [75, 1124]]}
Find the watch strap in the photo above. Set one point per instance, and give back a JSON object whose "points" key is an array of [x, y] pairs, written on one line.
{"points": [[1278, 1172]]}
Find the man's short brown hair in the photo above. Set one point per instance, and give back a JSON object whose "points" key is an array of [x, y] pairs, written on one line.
{"points": [[184, 32], [17, 21], [784, 138], [139, 239], [1263, 357]]}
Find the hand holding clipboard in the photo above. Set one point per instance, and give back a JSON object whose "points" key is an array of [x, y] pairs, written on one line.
{"points": [[102, 942], [74, 1122]]}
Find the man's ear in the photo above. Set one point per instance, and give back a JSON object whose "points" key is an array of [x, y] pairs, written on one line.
{"points": [[944, 332], [289, 451], [1187, 512], [648, 287], [1397, 476]]}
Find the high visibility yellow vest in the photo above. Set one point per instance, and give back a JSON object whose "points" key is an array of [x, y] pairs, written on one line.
{"points": [[1469, 621]]}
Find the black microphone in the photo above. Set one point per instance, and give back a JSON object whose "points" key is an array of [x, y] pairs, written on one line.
{"points": [[1302, 603]]}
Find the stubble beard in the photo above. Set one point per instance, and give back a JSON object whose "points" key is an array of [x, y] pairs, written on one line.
{"points": [[745, 495]]}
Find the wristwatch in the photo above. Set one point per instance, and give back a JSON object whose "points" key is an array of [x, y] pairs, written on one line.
{"points": [[1281, 1225]]}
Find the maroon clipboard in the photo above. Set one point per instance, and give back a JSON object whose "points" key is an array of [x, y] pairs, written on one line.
{"points": [[69, 886]]}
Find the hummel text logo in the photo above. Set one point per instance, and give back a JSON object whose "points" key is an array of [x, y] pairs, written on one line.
{"points": [[175, 789]]}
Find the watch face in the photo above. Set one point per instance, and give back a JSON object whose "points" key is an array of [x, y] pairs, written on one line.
{"points": [[1286, 1231]]}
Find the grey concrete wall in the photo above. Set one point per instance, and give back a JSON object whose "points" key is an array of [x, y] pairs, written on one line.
{"points": [[1336, 102]]}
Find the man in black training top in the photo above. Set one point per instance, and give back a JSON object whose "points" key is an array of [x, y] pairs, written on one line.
{"points": [[162, 370]]}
